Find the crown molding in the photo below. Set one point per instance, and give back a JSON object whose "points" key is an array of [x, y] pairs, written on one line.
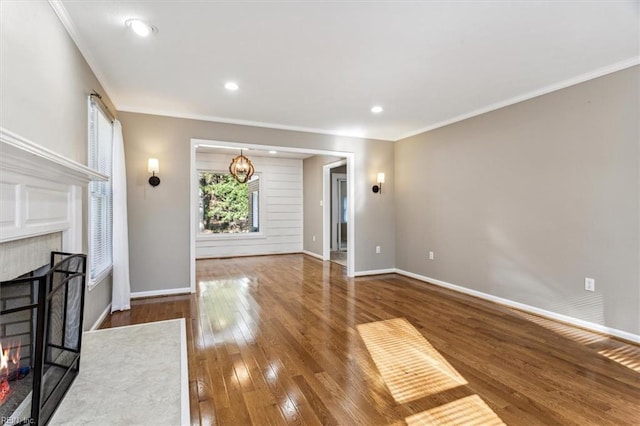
{"points": [[68, 24], [610, 69]]}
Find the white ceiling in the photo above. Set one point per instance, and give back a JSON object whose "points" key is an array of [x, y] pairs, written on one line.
{"points": [[321, 65]]}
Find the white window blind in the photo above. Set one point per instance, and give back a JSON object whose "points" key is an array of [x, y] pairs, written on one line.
{"points": [[100, 203]]}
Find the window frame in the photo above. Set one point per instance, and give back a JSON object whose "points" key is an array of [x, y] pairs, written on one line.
{"points": [[261, 234], [95, 112]]}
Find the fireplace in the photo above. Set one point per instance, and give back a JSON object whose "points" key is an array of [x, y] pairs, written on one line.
{"points": [[41, 316], [43, 198]]}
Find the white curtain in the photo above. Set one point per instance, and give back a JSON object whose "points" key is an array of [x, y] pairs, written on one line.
{"points": [[121, 297]]}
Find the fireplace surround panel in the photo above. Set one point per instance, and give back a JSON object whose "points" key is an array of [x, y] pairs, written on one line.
{"points": [[27, 254]]}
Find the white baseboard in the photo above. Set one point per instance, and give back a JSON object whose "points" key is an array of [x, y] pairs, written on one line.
{"points": [[376, 272], [527, 308], [231, 256], [312, 254], [154, 293], [101, 318]]}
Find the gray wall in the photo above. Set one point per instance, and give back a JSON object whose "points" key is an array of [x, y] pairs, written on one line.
{"points": [[525, 202], [45, 82], [159, 217], [312, 192]]}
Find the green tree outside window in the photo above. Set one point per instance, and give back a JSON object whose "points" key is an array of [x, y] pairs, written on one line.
{"points": [[224, 204]]}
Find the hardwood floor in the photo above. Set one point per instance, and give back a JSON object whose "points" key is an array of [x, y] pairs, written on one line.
{"points": [[290, 340]]}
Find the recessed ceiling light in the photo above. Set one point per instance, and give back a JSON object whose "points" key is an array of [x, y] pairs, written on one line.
{"points": [[231, 85], [140, 27], [376, 109], [273, 152]]}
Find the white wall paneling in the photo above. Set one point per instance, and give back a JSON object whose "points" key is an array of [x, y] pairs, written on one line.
{"points": [[280, 206], [40, 192]]}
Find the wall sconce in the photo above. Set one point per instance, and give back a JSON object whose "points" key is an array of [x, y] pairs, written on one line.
{"points": [[378, 188], [153, 167]]}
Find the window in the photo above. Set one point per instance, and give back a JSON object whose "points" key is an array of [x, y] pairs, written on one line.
{"points": [[100, 200], [226, 206]]}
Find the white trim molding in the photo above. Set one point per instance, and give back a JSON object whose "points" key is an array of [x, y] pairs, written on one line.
{"points": [[326, 209], [610, 69], [376, 272], [312, 254], [23, 156], [101, 318], [527, 308], [252, 123], [231, 256], [350, 159], [156, 293], [81, 44]]}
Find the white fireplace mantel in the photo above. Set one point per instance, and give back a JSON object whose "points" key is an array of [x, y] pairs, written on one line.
{"points": [[28, 158], [40, 192]]}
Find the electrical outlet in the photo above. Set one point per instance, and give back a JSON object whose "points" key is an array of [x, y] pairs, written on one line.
{"points": [[377, 249], [314, 238], [590, 284], [431, 256]]}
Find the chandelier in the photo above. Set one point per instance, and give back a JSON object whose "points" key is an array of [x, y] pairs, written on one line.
{"points": [[241, 168]]}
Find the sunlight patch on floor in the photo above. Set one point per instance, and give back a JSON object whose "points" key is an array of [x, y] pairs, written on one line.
{"points": [[470, 410], [576, 334], [626, 356], [409, 365]]}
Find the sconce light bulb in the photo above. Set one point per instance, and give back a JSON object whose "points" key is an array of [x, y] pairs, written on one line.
{"points": [[153, 165]]}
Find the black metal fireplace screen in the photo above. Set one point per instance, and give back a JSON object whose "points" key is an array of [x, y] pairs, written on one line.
{"points": [[40, 335]]}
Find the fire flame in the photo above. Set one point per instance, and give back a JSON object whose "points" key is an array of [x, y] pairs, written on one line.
{"points": [[4, 365], [15, 357], [4, 358], [10, 354]]}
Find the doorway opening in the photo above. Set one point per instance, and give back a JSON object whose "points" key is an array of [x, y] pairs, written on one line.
{"points": [[339, 214], [347, 159]]}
